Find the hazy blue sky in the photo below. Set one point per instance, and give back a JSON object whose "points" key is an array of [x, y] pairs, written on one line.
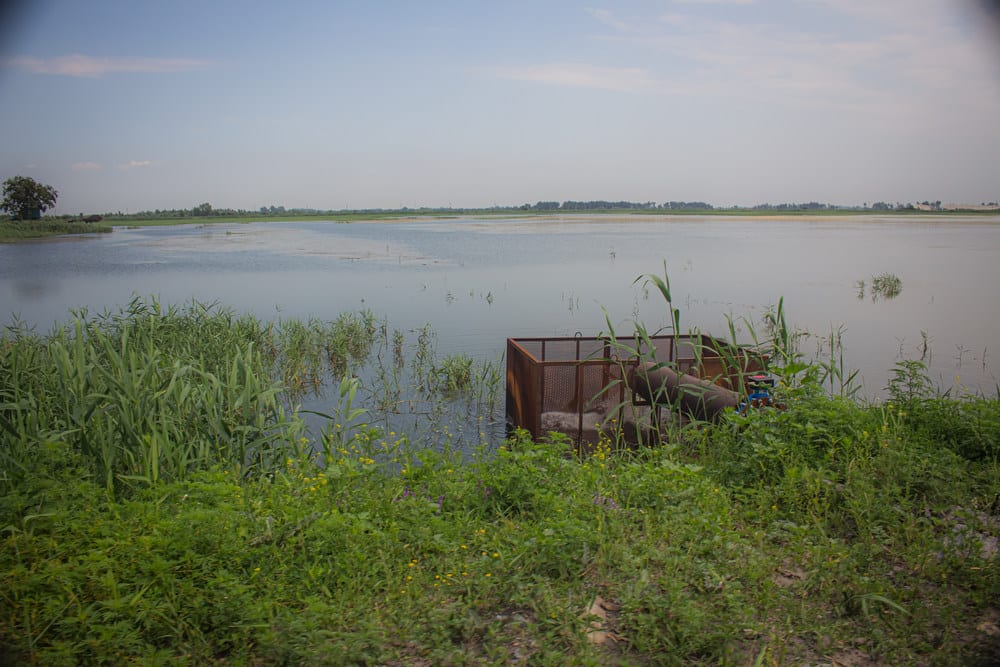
{"points": [[126, 105]]}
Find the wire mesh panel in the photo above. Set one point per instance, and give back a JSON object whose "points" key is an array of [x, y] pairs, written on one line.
{"points": [[523, 389]]}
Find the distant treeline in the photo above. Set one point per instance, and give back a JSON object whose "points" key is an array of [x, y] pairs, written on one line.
{"points": [[203, 210], [207, 210], [601, 205]]}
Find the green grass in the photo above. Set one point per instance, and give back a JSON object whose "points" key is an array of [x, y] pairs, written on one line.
{"points": [[11, 231], [161, 502]]}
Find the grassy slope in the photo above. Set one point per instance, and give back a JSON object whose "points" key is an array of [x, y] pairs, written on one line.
{"points": [[826, 533], [496, 563], [11, 231]]}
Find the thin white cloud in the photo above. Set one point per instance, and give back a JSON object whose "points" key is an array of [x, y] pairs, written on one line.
{"points": [[93, 66], [575, 75], [894, 57], [890, 12], [137, 164], [85, 166], [608, 18]]}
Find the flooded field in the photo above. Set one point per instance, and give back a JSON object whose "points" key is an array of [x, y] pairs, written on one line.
{"points": [[478, 281]]}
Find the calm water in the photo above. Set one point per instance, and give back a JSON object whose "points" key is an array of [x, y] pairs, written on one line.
{"points": [[479, 281]]}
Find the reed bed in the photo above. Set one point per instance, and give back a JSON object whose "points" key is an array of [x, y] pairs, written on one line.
{"points": [[154, 393]]}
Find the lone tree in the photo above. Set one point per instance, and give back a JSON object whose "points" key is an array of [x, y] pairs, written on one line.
{"points": [[26, 199]]}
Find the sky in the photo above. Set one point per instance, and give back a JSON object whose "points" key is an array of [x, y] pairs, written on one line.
{"points": [[129, 106]]}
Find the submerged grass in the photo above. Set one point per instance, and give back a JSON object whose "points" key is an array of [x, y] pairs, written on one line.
{"points": [[162, 503]]}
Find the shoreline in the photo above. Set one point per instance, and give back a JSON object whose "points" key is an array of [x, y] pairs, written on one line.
{"points": [[606, 216], [55, 229]]}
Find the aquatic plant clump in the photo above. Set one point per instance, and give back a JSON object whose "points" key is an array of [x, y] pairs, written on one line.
{"points": [[884, 286]]}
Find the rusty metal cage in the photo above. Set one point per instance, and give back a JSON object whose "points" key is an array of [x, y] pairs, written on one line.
{"points": [[578, 386]]}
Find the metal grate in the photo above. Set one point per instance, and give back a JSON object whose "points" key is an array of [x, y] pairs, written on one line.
{"points": [[577, 386]]}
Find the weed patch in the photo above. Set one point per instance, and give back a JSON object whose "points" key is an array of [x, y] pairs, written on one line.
{"points": [[162, 502]]}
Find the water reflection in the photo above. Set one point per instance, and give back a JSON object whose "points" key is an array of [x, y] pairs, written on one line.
{"points": [[479, 281]]}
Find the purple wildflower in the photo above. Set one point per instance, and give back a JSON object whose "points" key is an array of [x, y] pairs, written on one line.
{"points": [[605, 501]]}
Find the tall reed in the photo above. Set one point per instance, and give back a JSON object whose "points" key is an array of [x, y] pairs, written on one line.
{"points": [[151, 393]]}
